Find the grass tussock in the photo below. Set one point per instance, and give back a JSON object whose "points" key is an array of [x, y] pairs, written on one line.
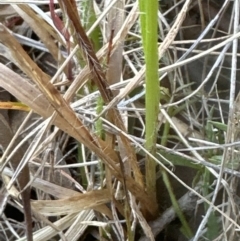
{"points": [[118, 120]]}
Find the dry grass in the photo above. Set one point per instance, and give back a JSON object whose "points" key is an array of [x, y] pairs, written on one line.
{"points": [[74, 135]]}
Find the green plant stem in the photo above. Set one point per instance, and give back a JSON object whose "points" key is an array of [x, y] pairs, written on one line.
{"points": [[149, 30], [99, 132], [186, 229]]}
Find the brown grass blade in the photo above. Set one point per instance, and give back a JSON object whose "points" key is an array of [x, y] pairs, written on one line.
{"points": [[72, 204], [62, 193], [13, 106], [100, 80], [32, 97], [86, 46], [120, 36]]}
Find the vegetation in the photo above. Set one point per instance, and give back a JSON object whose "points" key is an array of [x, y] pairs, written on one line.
{"points": [[119, 120]]}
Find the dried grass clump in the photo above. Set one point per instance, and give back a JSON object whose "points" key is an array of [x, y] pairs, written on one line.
{"points": [[72, 121]]}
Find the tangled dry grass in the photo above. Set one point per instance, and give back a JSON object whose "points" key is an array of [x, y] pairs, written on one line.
{"points": [[72, 122]]}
